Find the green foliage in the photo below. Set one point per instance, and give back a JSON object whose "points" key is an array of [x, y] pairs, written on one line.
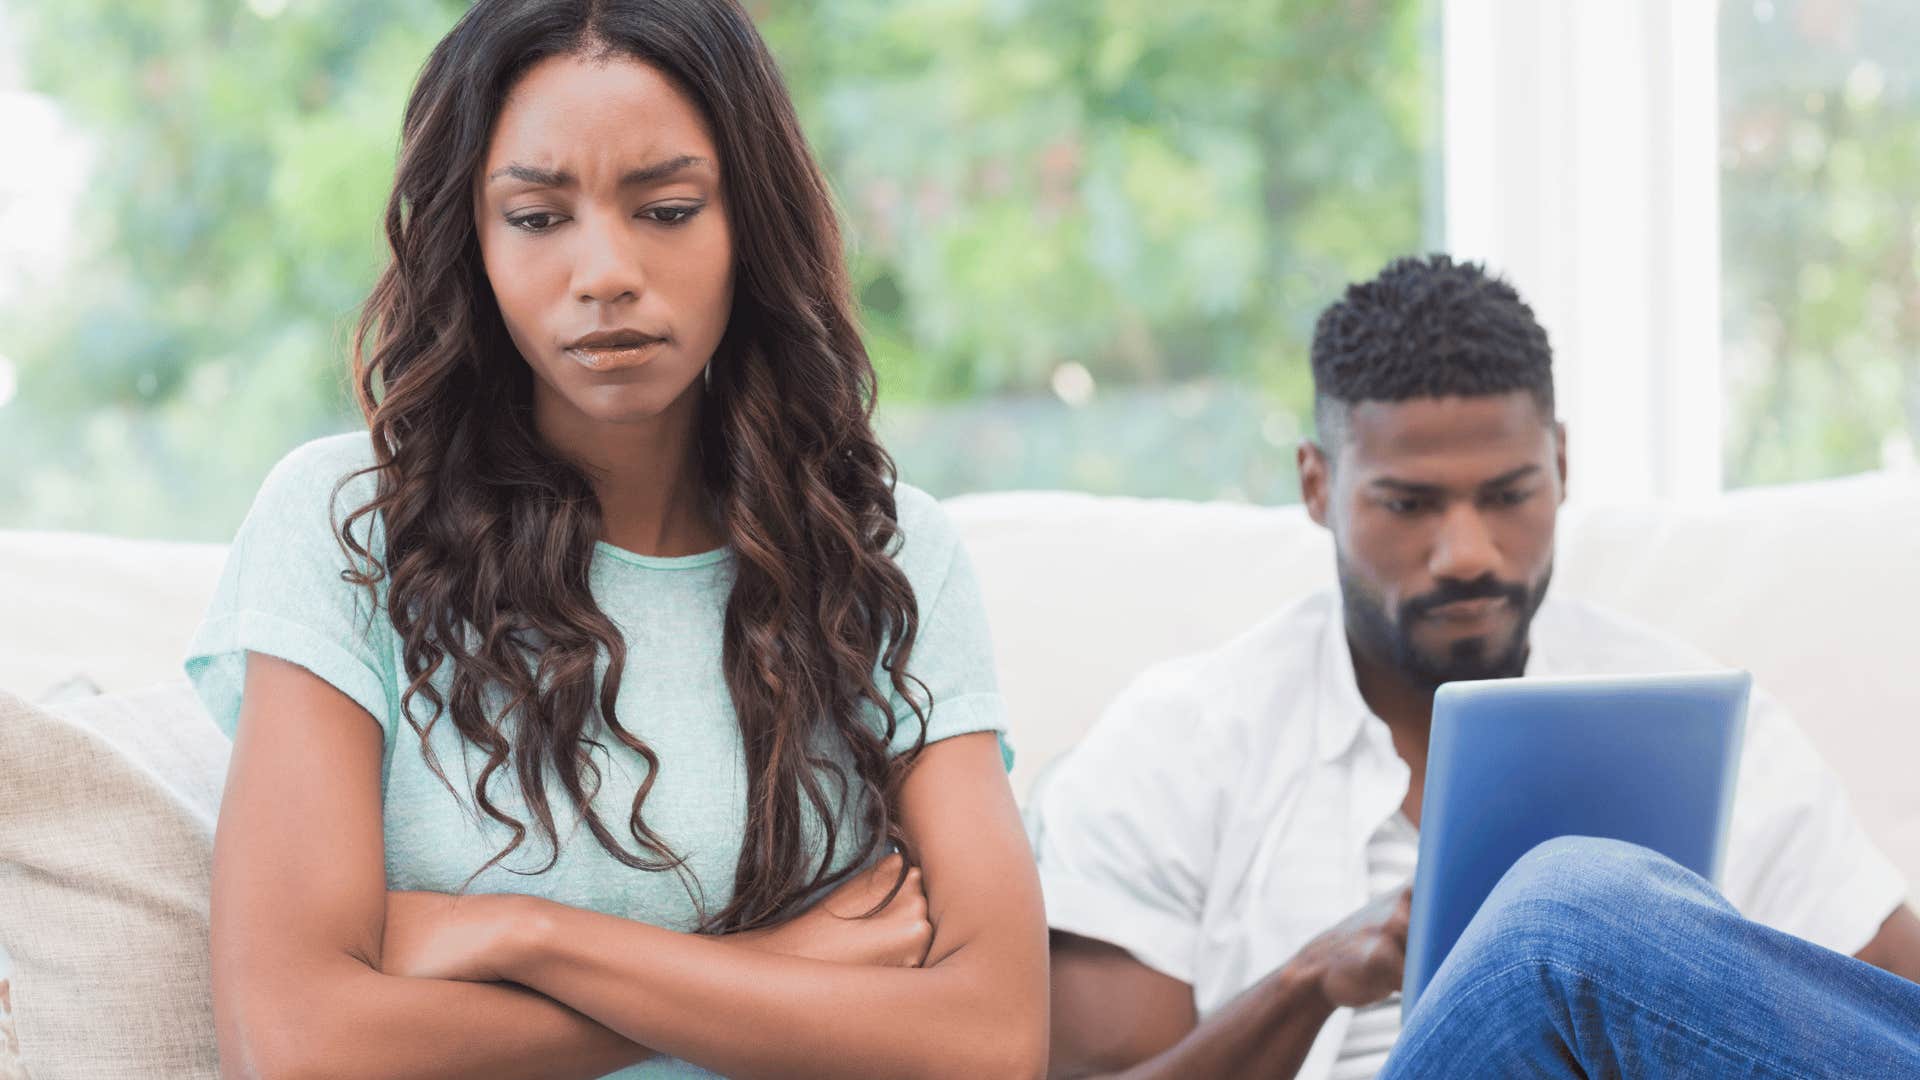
{"points": [[230, 229], [1161, 196], [1820, 123]]}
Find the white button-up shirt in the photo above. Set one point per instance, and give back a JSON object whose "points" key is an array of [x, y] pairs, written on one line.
{"points": [[1217, 816]]}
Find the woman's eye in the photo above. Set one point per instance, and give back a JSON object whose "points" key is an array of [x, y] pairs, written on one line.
{"points": [[670, 215], [533, 223]]}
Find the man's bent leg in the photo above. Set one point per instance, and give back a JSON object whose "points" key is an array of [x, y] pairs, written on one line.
{"points": [[1595, 958]]}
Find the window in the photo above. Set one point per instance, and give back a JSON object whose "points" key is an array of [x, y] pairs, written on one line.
{"points": [[1819, 167], [1090, 238]]}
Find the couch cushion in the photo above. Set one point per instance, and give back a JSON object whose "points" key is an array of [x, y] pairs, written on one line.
{"points": [[1084, 592], [1813, 588], [10, 1066], [106, 839], [115, 612]]}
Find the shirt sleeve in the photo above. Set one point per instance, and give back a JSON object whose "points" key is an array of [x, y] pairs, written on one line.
{"points": [[281, 593], [952, 658], [1797, 858], [1123, 827]]}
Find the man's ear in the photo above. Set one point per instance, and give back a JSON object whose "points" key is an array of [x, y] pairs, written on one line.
{"points": [[1316, 480], [1560, 454]]}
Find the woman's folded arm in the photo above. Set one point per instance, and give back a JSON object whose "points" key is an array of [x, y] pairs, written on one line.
{"points": [[977, 1009], [301, 921], [298, 911]]}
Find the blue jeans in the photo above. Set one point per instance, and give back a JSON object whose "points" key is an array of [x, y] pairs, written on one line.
{"points": [[1595, 958]]}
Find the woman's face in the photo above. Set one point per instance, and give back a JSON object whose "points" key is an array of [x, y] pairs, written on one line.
{"points": [[600, 217]]}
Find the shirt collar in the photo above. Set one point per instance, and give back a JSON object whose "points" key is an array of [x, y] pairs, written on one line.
{"points": [[1342, 711]]}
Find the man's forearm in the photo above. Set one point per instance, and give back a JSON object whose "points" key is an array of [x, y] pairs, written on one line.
{"points": [[1266, 1031], [349, 1021], [1896, 948]]}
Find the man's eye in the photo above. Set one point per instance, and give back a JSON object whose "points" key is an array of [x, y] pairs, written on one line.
{"points": [[1511, 497], [1404, 506]]}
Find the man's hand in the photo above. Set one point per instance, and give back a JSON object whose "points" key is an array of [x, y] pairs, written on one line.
{"points": [[1363, 959], [833, 929]]}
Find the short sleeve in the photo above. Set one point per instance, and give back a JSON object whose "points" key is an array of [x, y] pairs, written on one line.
{"points": [[953, 651], [1123, 826], [281, 591], [1797, 858]]}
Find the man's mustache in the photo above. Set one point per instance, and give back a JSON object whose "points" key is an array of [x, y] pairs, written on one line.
{"points": [[1447, 592]]}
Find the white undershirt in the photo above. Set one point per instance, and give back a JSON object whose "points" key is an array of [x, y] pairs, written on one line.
{"points": [[1391, 853]]}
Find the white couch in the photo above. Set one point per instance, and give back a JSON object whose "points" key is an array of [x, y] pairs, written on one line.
{"points": [[1815, 588]]}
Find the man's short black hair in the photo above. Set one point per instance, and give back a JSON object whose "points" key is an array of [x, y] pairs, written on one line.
{"points": [[1426, 328]]}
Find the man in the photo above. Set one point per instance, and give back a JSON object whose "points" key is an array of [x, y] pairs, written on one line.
{"points": [[1226, 856]]}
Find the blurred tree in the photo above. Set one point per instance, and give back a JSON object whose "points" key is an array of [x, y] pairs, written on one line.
{"points": [[230, 228], [1820, 149], [1089, 236]]}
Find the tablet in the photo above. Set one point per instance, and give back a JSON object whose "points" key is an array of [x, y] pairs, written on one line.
{"points": [[1513, 763]]}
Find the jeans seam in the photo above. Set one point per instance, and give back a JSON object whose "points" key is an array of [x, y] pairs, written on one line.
{"points": [[1704, 1036], [1629, 998]]}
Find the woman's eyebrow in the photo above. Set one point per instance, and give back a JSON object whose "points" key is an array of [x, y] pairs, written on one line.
{"points": [[559, 178]]}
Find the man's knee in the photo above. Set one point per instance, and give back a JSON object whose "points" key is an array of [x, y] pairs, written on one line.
{"points": [[1579, 881], [1578, 909], [1569, 900], [1585, 866], [1575, 885]]}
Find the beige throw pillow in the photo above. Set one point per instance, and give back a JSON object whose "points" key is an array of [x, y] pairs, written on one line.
{"points": [[10, 1067], [107, 809]]}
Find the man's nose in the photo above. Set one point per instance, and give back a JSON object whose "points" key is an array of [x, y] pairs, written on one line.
{"points": [[1464, 549]]}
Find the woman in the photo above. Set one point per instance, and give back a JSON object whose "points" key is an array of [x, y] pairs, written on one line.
{"points": [[656, 652]]}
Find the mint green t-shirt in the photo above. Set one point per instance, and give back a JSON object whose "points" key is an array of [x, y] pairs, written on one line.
{"points": [[281, 594]]}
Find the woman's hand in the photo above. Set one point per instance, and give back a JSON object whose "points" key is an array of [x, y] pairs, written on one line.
{"points": [[833, 929], [432, 935]]}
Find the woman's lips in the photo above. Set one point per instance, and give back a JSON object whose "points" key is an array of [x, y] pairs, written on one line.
{"points": [[603, 358]]}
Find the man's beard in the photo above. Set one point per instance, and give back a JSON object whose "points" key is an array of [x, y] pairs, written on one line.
{"points": [[1391, 639]]}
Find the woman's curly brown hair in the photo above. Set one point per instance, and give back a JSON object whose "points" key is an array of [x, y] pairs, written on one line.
{"points": [[489, 533]]}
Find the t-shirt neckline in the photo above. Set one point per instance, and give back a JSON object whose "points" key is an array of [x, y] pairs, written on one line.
{"points": [[662, 562]]}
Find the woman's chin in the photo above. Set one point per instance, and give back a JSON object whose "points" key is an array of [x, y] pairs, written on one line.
{"points": [[628, 409], [638, 402]]}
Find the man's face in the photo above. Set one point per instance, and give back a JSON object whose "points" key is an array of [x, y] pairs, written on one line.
{"points": [[1442, 512]]}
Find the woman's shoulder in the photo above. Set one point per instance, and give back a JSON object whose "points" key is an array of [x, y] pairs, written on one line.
{"points": [[303, 494], [308, 474], [915, 509], [928, 537], [322, 461], [284, 591], [930, 549]]}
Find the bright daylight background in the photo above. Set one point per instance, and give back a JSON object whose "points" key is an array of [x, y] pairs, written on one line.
{"points": [[1090, 237]]}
